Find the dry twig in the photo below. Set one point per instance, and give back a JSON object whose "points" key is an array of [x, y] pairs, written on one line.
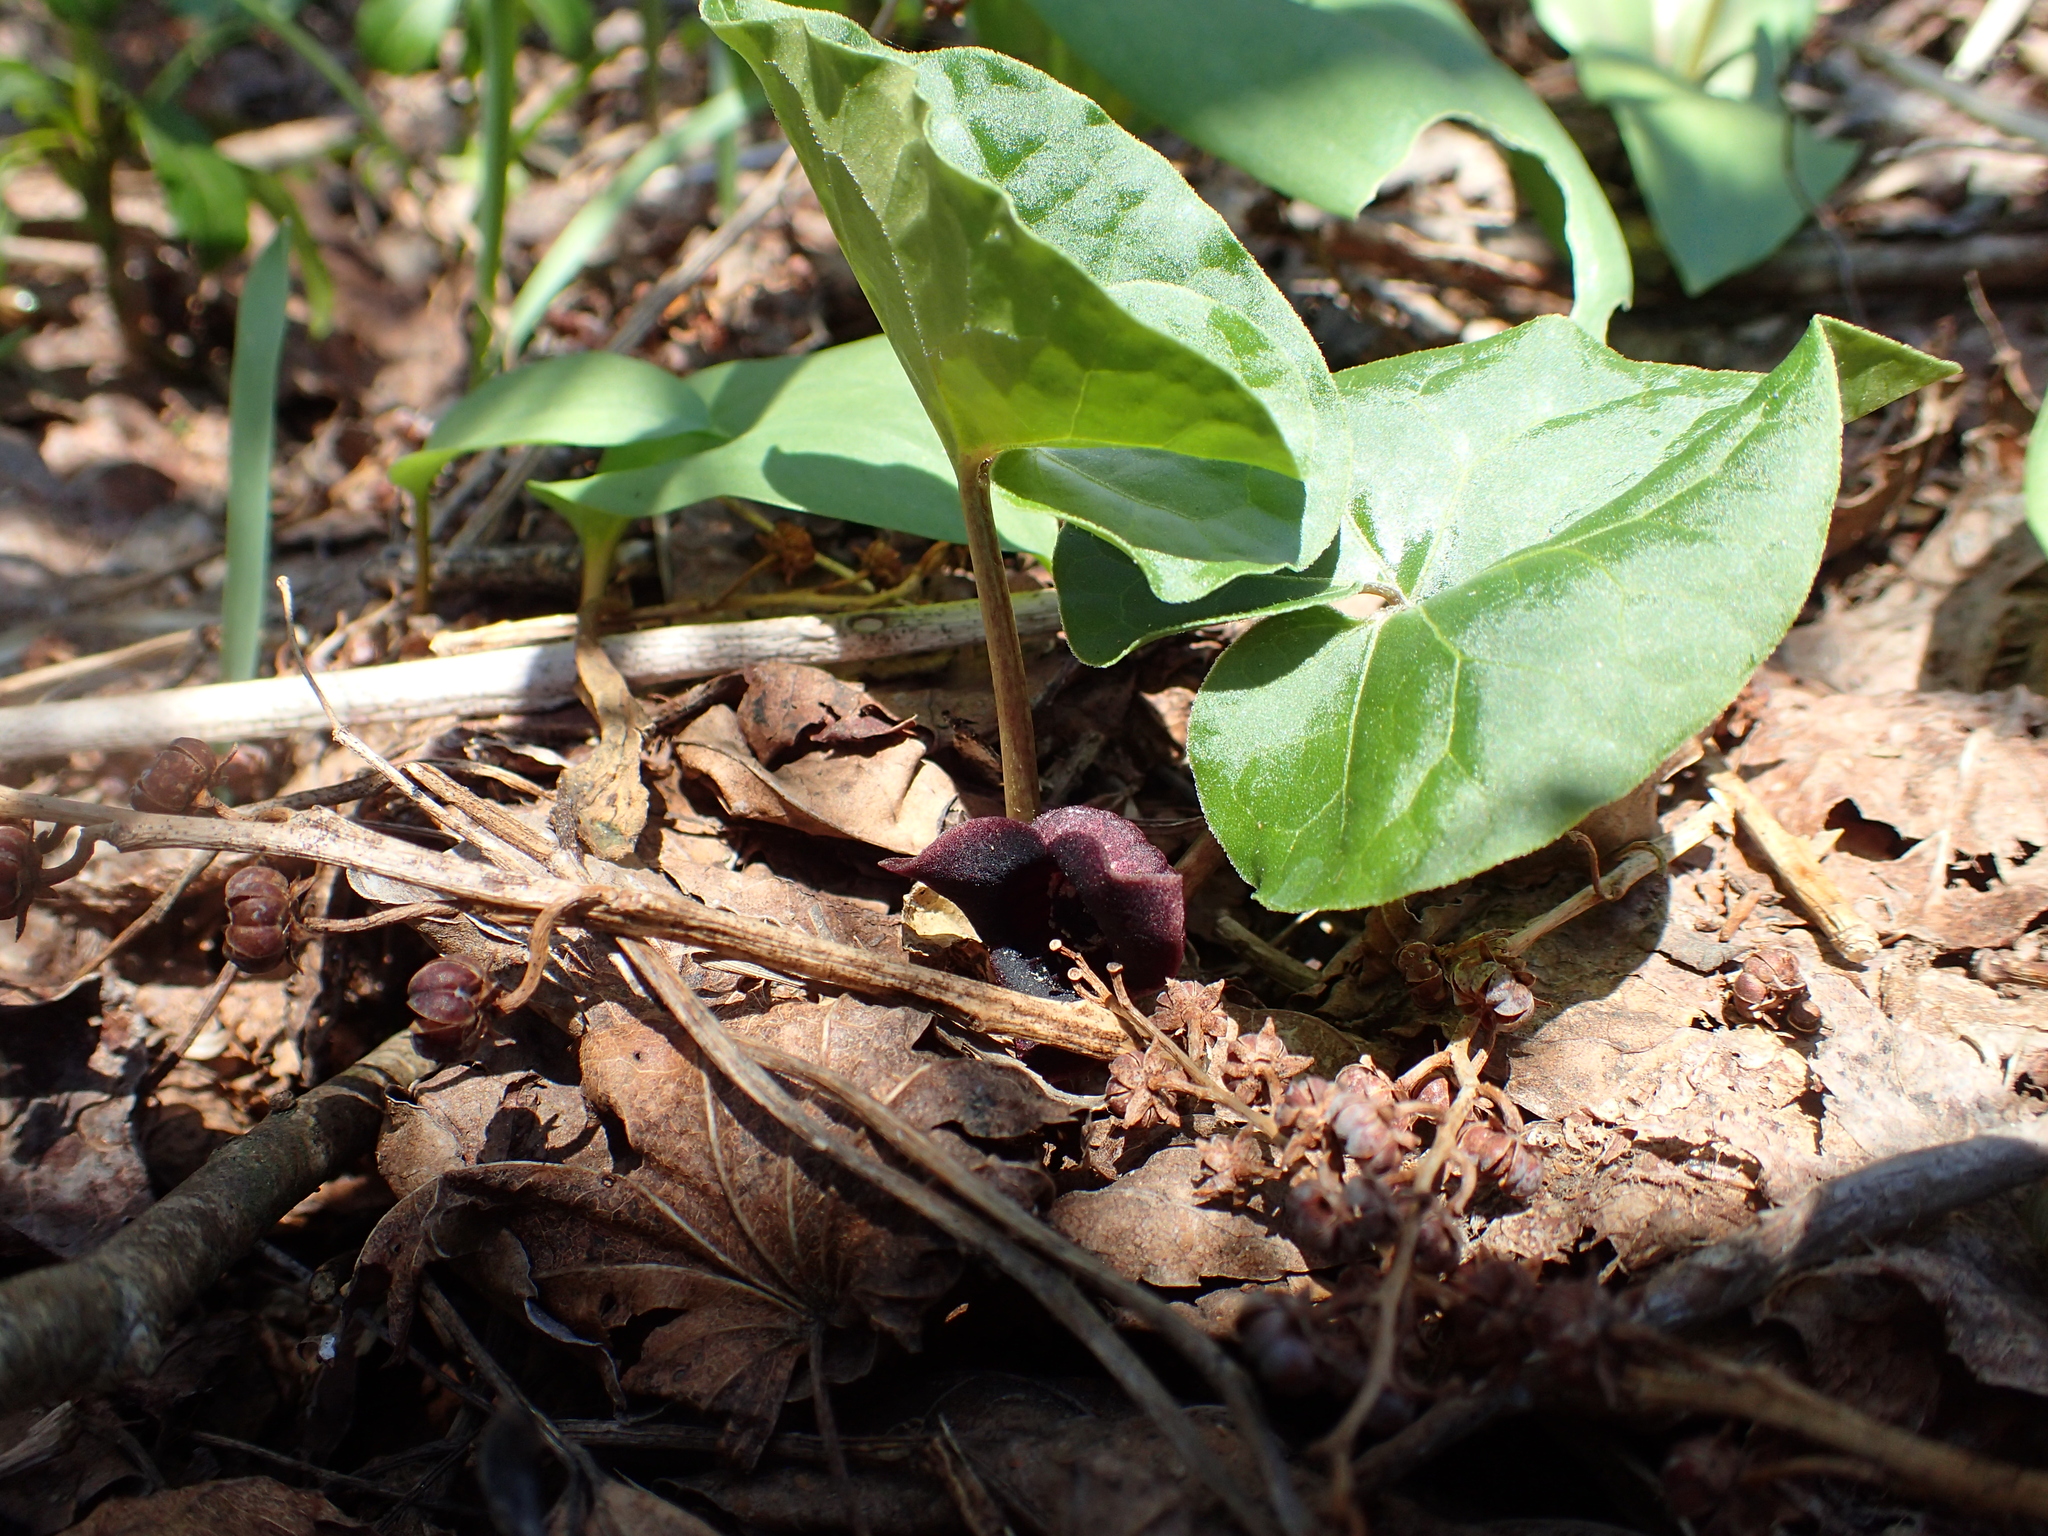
{"points": [[70, 1326]]}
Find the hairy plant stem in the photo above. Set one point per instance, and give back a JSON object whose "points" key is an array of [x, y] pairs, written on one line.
{"points": [[1005, 650], [500, 41]]}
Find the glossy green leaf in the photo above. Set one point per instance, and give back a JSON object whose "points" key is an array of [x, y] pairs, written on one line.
{"points": [[1728, 173], [403, 36], [592, 224], [1712, 43], [208, 199], [1108, 607], [589, 400], [1591, 556], [1714, 172], [837, 432], [1322, 100], [252, 437], [1049, 283]]}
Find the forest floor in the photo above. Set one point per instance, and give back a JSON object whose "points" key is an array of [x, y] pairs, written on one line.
{"points": [[353, 1369]]}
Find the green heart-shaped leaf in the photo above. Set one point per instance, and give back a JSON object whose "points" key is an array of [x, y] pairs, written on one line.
{"points": [[1591, 554], [838, 432], [1713, 170], [589, 400], [1322, 100], [1108, 606], [1050, 284]]}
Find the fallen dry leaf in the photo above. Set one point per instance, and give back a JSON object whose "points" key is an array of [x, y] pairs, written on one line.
{"points": [[605, 789], [892, 796], [703, 1248], [242, 1506], [789, 710], [1962, 773], [1152, 1226], [68, 1074], [757, 891]]}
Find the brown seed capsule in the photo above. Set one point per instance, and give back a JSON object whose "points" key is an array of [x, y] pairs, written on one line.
{"points": [[1418, 966], [21, 868], [1505, 1158], [259, 906], [174, 778], [882, 563], [1771, 989], [447, 998]]}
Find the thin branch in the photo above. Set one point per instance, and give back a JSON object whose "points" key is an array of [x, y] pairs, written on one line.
{"points": [[508, 681], [325, 838], [1701, 1383], [69, 1327]]}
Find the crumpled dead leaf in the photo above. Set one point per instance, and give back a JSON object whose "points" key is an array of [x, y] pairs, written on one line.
{"points": [[1906, 1079], [892, 795], [68, 1074], [1152, 1226], [704, 1248], [1994, 1323], [242, 1506], [53, 1462], [1967, 773], [464, 1116], [789, 710], [605, 789], [757, 891]]}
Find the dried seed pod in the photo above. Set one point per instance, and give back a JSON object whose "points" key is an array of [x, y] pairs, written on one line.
{"points": [[1439, 1242], [1493, 992], [1505, 1158], [791, 548], [259, 907], [21, 869], [1274, 1332], [1232, 1166], [1337, 1221], [174, 778], [447, 999], [1145, 1090], [1418, 966], [1771, 989], [881, 562]]}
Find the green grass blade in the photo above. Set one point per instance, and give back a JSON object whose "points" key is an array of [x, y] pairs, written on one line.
{"points": [[252, 433], [593, 222], [499, 25]]}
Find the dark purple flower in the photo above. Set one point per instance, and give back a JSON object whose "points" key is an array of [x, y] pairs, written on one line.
{"points": [[1002, 873]]}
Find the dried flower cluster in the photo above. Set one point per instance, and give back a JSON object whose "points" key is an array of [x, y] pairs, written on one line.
{"points": [[1771, 989], [1487, 985]]}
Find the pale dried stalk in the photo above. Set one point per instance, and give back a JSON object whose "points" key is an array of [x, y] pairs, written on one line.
{"points": [[40, 680], [533, 677], [1704, 1384], [1617, 881], [1793, 864], [324, 838]]}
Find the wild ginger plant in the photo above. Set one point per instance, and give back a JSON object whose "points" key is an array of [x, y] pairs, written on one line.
{"points": [[1496, 583]]}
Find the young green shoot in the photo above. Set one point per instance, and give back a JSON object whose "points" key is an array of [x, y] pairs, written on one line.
{"points": [[252, 434]]}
